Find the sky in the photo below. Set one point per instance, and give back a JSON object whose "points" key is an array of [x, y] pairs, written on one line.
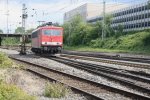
{"points": [[44, 10]]}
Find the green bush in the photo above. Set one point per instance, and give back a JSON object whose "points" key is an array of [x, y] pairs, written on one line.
{"points": [[11, 92], [133, 42], [10, 41], [146, 40], [55, 90], [5, 61]]}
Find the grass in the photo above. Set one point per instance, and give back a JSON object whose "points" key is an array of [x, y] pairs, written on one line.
{"points": [[138, 43], [91, 49], [5, 62], [11, 92], [55, 90], [11, 41]]}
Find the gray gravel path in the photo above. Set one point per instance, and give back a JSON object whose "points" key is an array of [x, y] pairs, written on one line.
{"points": [[68, 69]]}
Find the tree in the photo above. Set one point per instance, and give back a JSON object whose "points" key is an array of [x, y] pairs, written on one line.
{"points": [[19, 30], [119, 31], [29, 31], [77, 32], [108, 29], [1, 31], [74, 31]]}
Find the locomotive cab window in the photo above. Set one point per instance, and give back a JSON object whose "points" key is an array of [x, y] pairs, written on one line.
{"points": [[52, 32], [35, 34]]}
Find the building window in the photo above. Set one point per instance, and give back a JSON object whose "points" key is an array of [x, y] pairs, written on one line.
{"points": [[148, 23], [137, 25], [146, 15], [132, 10], [136, 18], [140, 9], [135, 10], [142, 24], [143, 8], [146, 7], [143, 16], [123, 12]]}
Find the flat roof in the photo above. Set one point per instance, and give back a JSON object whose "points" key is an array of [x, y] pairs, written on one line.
{"points": [[12, 35]]}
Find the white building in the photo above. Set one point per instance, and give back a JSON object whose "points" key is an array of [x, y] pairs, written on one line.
{"points": [[132, 18], [89, 10]]}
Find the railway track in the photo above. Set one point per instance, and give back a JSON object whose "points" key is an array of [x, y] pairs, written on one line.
{"points": [[112, 57], [95, 91], [14, 47], [93, 54], [117, 62], [134, 62], [139, 73], [138, 83]]}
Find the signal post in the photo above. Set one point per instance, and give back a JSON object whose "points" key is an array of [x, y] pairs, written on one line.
{"points": [[23, 42]]}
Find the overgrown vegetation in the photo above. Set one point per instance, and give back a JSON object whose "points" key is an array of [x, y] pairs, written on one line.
{"points": [[82, 35], [10, 41], [55, 90], [11, 92], [5, 61], [134, 42], [78, 32]]}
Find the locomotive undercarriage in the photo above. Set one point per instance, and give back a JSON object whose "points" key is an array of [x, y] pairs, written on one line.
{"points": [[47, 50]]}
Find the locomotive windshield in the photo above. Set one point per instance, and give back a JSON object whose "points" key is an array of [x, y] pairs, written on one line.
{"points": [[52, 32]]}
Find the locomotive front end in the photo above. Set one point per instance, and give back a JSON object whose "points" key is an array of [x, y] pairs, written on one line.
{"points": [[52, 40]]}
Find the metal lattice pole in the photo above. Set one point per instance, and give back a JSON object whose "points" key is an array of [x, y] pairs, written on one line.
{"points": [[24, 17], [7, 14]]}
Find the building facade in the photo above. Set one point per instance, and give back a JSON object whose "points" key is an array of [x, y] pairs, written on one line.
{"points": [[89, 10], [86, 11], [132, 18]]}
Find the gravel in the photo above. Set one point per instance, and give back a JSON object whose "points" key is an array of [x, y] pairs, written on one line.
{"points": [[113, 54], [31, 83], [117, 66], [70, 70]]}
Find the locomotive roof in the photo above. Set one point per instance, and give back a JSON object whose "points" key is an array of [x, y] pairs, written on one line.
{"points": [[48, 27]]}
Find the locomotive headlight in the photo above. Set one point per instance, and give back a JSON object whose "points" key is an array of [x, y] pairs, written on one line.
{"points": [[43, 42]]}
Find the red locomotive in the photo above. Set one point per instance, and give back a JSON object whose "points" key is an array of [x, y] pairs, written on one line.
{"points": [[47, 39]]}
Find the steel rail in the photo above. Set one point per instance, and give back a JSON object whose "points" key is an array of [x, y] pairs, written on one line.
{"points": [[118, 62], [137, 73], [112, 89], [89, 68], [116, 57]]}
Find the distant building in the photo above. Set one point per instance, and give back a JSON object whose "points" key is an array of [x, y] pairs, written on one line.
{"points": [[132, 18], [87, 11]]}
